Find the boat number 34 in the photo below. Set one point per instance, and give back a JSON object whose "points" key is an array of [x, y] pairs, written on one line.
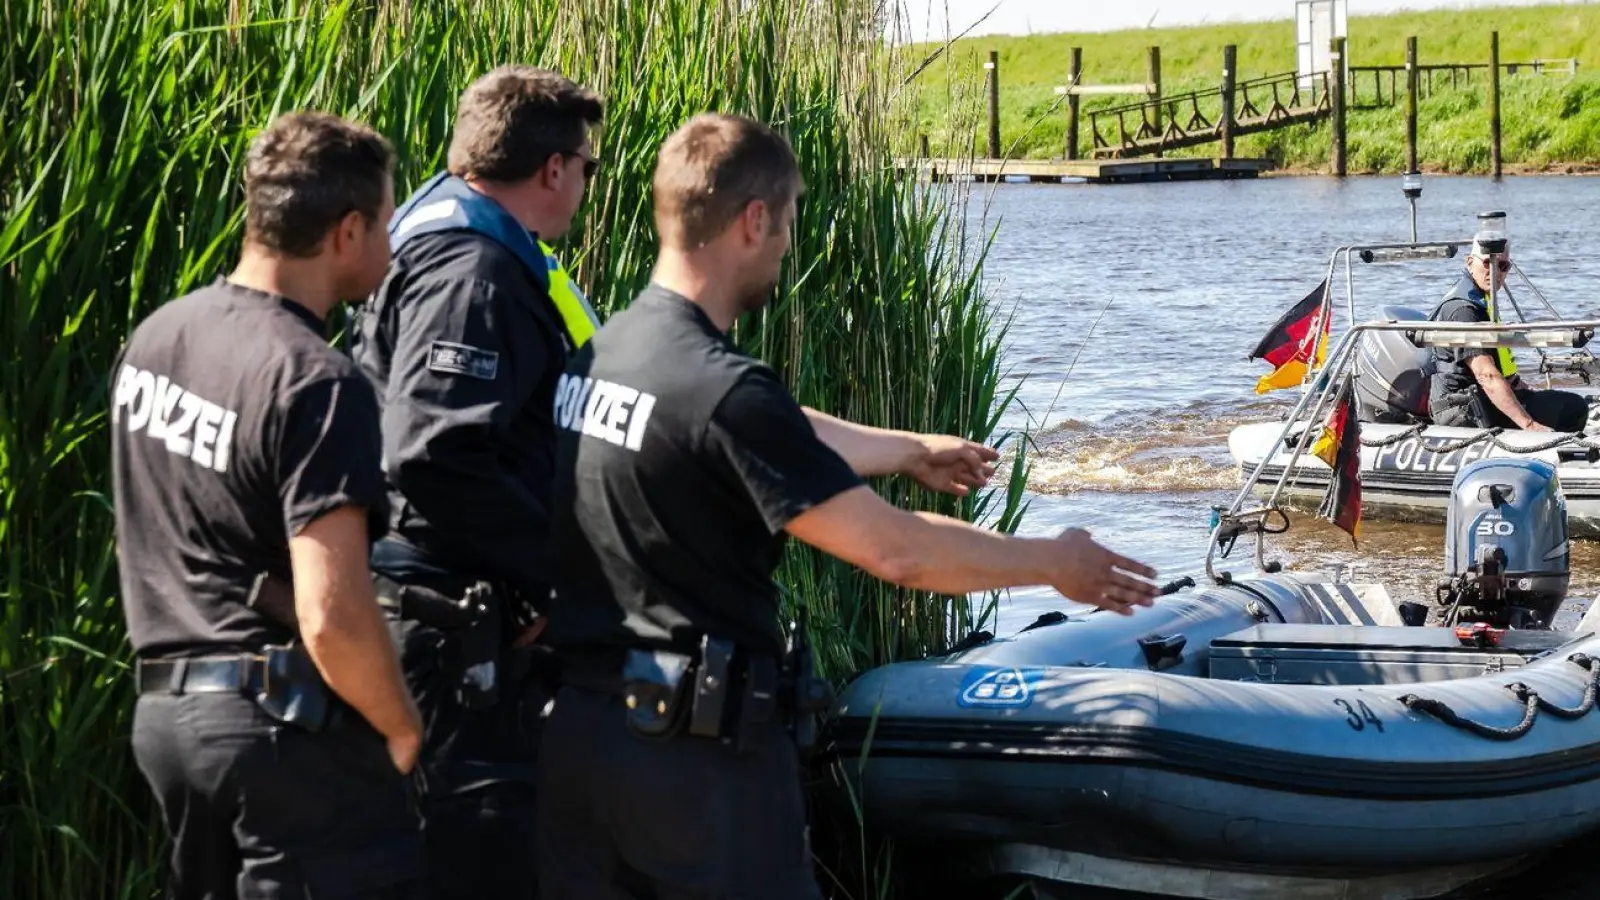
{"points": [[1359, 715]]}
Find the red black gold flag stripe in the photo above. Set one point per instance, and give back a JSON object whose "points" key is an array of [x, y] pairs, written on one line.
{"points": [[1297, 341], [1340, 447]]}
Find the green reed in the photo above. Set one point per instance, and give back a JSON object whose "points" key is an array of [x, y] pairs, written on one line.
{"points": [[126, 123]]}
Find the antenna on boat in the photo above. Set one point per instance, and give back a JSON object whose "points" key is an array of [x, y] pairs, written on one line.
{"points": [[1411, 186]]}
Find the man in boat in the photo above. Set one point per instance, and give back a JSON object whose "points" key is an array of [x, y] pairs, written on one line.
{"points": [[668, 766], [1480, 388]]}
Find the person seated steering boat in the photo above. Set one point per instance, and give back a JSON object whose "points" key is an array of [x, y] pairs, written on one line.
{"points": [[1480, 388]]}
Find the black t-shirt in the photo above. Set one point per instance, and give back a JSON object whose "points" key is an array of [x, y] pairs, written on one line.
{"points": [[233, 426], [464, 350], [680, 461], [1465, 303]]}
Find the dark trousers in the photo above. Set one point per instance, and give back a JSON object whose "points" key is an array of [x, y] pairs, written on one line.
{"points": [[476, 774], [624, 817], [259, 809], [1557, 410]]}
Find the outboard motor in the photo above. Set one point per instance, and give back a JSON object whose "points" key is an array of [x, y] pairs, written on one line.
{"points": [[1506, 551], [1392, 374]]}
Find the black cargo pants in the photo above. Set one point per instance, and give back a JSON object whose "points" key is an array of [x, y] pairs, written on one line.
{"points": [[476, 774], [1557, 410], [260, 809], [624, 817]]}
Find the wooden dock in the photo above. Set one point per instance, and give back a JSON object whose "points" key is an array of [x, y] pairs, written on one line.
{"points": [[1083, 171]]}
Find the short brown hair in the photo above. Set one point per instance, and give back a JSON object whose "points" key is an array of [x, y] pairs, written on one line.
{"points": [[512, 120], [709, 170], [307, 171]]}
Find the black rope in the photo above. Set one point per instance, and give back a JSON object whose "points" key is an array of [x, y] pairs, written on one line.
{"points": [[1488, 434], [1585, 662], [1530, 699], [1172, 587], [1491, 435], [1395, 438], [1442, 711]]}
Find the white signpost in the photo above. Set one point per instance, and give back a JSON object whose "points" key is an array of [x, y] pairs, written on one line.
{"points": [[1317, 23]]}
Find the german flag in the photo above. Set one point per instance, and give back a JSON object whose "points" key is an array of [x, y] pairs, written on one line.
{"points": [[1297, 338], [1340, 447]]}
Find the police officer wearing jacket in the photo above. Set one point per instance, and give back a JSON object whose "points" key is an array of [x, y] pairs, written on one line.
{"points": [[670, 764], [465, 341], [272, 720], [1480, 388]]}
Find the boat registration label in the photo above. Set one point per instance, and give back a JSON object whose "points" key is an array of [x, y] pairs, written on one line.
{"points": [[1418, 454], [1004, 686]]}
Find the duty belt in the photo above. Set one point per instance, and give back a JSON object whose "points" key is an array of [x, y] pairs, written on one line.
{"points": [[242, 674], [723, 692], [283, 682]]}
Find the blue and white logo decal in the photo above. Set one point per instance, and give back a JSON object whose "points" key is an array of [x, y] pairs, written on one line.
{"points": [[1005, 686]]}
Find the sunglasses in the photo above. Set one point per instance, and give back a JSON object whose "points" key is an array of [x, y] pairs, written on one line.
{"points": [[1503, 265], [590, 165]]}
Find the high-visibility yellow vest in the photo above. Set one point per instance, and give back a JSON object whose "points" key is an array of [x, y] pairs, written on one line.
{"points": [[576, 313], [1508, 365]]}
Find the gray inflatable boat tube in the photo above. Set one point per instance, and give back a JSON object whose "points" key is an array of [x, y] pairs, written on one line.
{"points": [[1103, 734]]}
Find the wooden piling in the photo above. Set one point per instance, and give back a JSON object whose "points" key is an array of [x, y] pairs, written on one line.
{"points": [[1155, 91], [993, 65], [1230, 57], [1494, 104], [1337, 90], [1075, 75], [1411, 104]]}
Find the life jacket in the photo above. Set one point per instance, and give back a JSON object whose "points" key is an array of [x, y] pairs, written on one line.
{"points": [[1508, 365], [574, 307], [1479, 297], [447, 203]]}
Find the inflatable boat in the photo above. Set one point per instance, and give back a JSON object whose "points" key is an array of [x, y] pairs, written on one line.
{"points": [[1407, 462], [1269, 736]]}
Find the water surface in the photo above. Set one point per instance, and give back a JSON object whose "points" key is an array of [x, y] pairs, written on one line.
{"points": [[1132, 309]]}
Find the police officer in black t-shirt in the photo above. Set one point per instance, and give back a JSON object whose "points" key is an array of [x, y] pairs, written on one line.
{"points": [[668, 767], [464, 344], [272, 720], [1479, 388]]}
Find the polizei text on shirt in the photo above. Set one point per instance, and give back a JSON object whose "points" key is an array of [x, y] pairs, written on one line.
{"points": [[602, 409], [190, 425]]}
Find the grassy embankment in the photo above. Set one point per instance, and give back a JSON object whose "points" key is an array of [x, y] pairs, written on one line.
{"points": [[126, 125], [1550, 122]]}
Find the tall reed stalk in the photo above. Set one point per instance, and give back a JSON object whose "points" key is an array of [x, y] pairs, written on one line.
{"points": [[125, 127]]}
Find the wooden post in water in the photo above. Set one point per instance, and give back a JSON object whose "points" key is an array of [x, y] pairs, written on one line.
{"points": [[1074, 74], [1494, 104], [993, 66], [1411, 104], [1155, 91], [1230, 56], [1336, 60]]}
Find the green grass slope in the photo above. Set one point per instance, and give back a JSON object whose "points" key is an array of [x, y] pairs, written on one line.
{"points": [[1550, 121]]}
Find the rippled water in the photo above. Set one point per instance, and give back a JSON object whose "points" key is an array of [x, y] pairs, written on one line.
{"points": [[1132, 309]]}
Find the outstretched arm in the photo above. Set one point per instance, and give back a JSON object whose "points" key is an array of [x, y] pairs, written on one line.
{"points": [[801, 486], [925, 551], [939, 462]]}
